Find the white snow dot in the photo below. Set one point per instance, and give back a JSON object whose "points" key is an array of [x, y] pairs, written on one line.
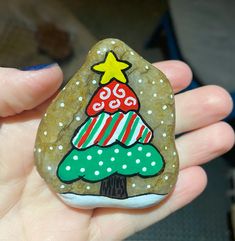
{"points": [[88, 187], [82, 169], [144, 169], [166, 147], [174, 153], [146, 67], [77, 83], [172, 115], [164, 107], [78, 118], [148, 154], [149, 112], [164, 134], [97, 173], [98, 52], [141, 92], [129, 153], [51, 148], [89, 157], [101, 163], [68, 168], [49, 168], [153, 82], [80, 98], [61, 124], [116, 150], [173, 165], [113, 42], [94, 81], [154, 95], [140, 80], [62, 104], [133, 185], [39, 149], [162, 122], [45, 114], [140, 148], [75, 157], [161, 80], [153, 164], [166, 177], [109, 169], [148, 186], [131, 53], [137, 161], [45, 133], [124, 166], [60, 147], [171, 96], [99, 152], [112, 159], [62, 186]]}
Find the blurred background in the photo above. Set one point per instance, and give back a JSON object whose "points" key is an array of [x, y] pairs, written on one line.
{"points": [[198, 32]]}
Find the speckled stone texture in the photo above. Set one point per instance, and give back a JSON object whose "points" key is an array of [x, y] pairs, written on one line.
{"points": [[67, 112]]}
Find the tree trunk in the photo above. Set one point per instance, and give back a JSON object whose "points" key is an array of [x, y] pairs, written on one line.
{"points": [[114, 187]]}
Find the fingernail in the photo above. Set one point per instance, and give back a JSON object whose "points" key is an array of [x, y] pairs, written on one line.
{"points": [[38, 67]]}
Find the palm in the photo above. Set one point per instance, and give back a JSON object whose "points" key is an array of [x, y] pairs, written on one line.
{"points": [[29, 210]]}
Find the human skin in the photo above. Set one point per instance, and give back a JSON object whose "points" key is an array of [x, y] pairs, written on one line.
{"points": [[29, 210]]}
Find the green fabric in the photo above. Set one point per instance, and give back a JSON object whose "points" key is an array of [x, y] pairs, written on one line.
{"points": [[97, 163]]}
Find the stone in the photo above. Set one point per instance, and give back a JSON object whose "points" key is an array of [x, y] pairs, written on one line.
{"points": [[107, 139]]}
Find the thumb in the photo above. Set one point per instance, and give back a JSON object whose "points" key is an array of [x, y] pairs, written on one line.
{"points": [[23, 90]]}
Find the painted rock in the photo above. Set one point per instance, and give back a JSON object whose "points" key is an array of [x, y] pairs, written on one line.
{"points": [[107, 140]]}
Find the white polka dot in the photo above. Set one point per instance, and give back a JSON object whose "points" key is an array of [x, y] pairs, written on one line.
{"points": [[77, 83], [166, 177], [153, 163], [93, 81], [68, 168], [144, 169], [137, 161], [62, 104], [129, 153], [82, 169], [141, 92], [99, 152], [124, 166], [61, 124], [149, 112], [148, 186], [148, 154], [133, 185], [140, 148], [88, 187], [174, 153], [75, 157], [113, 42], [39, 149], [154, 95], [80, 98], [131, 53], [164, 134], [153, 82], [140, 80], [116, 150], [109, 169], [101, 163], [98, 52], [164, 107], [172, 115], [51, 148], [166, 147], [89, 157], [97, 173], [45, 114], [78, 118], [161, 80], [173, 165], [62, 186], [60, 147], [162, 122], [146, 67], [49, 168], [171, 96], [45, 133]]}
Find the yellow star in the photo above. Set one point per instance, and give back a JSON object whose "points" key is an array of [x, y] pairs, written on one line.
{"points": [[112, 68]]}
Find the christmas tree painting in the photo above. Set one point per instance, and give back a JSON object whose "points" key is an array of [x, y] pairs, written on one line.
{"points": [[114, 142]]}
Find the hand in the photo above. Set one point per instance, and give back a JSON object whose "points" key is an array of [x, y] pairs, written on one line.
{"points": [[29, 210]]}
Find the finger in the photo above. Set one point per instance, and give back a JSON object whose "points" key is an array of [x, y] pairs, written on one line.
{"points": [[202, 145], [201, 107], [191, 182], [23, 90], [178, 73]]}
